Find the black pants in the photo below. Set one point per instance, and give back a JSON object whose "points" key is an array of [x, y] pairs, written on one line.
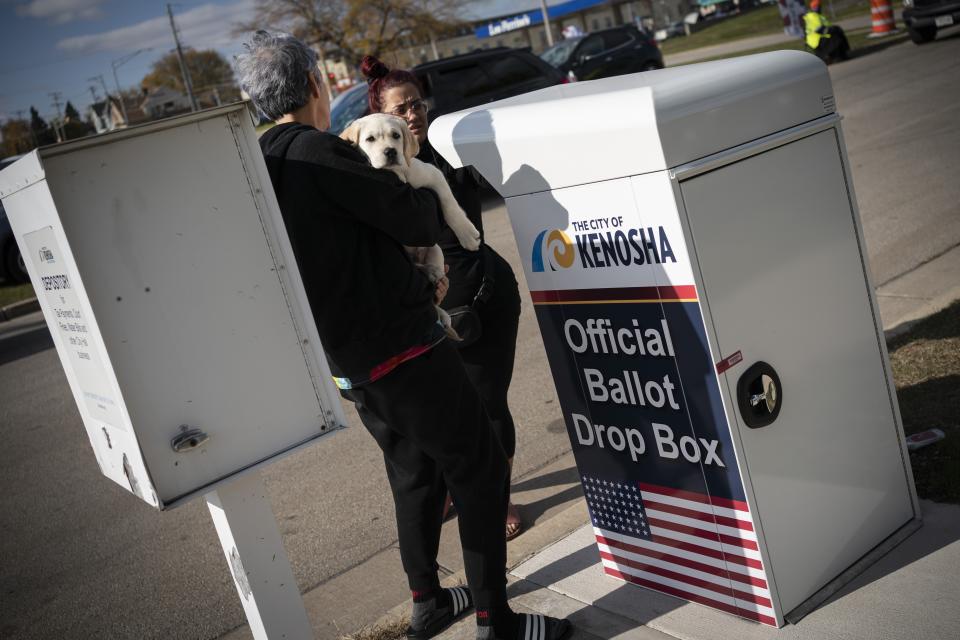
{"points": [[435, 435], [833, 45], [489, 361]]}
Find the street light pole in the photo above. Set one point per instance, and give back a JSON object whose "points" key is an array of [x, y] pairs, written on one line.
{"points": [[117, 63], [546, 22]]}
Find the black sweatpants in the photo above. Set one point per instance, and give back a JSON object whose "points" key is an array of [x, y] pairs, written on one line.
{"points": [[431, 425]]}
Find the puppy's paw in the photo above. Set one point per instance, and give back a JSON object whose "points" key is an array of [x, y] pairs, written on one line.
{"points": [[467, 234], [432, 271]]}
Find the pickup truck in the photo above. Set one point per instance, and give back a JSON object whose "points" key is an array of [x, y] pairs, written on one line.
{"points": [[924, 17]]}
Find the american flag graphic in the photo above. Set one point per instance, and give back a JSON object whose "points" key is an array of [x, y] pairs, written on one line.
{"points": [[690, 545]]}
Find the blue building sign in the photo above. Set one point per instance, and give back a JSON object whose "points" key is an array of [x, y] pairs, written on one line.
{"points": [[500, 26]]}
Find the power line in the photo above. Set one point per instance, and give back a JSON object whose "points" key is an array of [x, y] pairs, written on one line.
{"points": [[17, 69]]}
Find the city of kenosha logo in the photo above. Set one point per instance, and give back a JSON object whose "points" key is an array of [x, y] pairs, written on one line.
{"points": [[553, 248], [558, 249]]}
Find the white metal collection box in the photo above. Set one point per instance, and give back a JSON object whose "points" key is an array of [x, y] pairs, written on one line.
{"points": [[694, 253], [160, 261]]}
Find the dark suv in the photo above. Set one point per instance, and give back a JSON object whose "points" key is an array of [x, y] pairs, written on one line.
{"points": [[924, 17], [601, 54], [460, 82], [485, 75]]}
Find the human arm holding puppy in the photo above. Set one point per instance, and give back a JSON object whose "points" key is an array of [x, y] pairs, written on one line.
{"points": [[340, 175]]}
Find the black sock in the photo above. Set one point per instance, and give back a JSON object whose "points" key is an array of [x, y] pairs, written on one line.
{"points": [[497, 623], [425, 594], [429, 606]]}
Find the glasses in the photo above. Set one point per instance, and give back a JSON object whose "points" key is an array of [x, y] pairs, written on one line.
{"points": [[417, 106]]}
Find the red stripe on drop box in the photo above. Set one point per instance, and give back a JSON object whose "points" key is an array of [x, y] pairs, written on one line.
{"points": [[616, 295], [695, 497], [699, 515], [737, 611], [683, 562]]}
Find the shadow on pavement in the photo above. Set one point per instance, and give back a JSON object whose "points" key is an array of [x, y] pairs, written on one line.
{"points": [[532, 511], [25, 344], [940, 530], [552, 479]]}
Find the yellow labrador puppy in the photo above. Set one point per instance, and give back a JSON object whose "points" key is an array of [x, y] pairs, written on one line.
{"points": [[388, 144]]}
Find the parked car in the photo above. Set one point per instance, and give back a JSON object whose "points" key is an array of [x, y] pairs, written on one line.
{"points": [[12, 268], [460, 82], [610, 52], [347, 107], [670, 31], [924, 17], [485, 75]]}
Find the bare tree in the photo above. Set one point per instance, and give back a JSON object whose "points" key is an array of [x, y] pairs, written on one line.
{"points": [[353, 28]]}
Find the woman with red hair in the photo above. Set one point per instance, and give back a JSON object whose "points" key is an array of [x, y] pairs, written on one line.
{"points": [[484, 281]]}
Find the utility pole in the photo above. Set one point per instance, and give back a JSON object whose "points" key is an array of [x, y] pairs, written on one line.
{"points": [[546, 22], [106, 98], [102, 121], [183, 63], [115, 64], [58, 128]]}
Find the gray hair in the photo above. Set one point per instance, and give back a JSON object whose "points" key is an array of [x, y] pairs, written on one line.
{"points": [[274, 71]]}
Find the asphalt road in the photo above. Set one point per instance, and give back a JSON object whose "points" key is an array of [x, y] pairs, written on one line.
{"points": [[81, 558]]}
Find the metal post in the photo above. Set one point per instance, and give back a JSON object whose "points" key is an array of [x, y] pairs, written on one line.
{"points": [[184, 71], [546, 22], [123, 103], [117, 64], [254, 551]]}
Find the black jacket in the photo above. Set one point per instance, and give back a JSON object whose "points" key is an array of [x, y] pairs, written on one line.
{"points": [[348, 223]]}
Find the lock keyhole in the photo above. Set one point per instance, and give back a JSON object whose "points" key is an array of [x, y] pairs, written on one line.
{"points": [[759, 395]]}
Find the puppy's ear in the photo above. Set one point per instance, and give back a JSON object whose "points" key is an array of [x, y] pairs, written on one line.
{"points": [[352, 133], [411, 147]]}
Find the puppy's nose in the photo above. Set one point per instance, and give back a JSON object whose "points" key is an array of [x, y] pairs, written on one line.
{"points": [[391, 153]]}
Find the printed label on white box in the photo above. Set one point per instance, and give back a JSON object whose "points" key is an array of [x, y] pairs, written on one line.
{"points": [[57, 288]]}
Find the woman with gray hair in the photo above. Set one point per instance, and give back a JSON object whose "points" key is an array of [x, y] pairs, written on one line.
{"points": [[348, 224]]}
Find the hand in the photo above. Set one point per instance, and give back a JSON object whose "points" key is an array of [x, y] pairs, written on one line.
{"points": [[442, 285]]}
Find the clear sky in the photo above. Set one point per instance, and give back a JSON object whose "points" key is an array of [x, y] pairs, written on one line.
{"points": [[59, 45]]}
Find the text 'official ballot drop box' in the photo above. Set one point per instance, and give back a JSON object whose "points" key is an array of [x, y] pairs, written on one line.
{"points": [[160, 261], [694, 254]]}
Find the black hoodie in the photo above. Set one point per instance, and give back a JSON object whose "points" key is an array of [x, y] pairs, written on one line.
{"points": [[348, 223]]}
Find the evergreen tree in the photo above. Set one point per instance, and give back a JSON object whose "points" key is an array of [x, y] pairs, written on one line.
{"points": [[41, 130], [70, 112]]}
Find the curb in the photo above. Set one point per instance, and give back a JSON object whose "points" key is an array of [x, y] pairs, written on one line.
{"points": [[18, 309]]}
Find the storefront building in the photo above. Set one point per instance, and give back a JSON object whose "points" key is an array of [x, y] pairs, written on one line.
{"points": [[525, 28]]}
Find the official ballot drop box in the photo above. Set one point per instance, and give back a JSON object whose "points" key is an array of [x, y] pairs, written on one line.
{"points": [[170, 289], [694, 253]]}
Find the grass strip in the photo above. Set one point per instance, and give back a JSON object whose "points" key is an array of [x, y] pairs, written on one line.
{"points": [[15, 293], [396, 630], [926, 369]]}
